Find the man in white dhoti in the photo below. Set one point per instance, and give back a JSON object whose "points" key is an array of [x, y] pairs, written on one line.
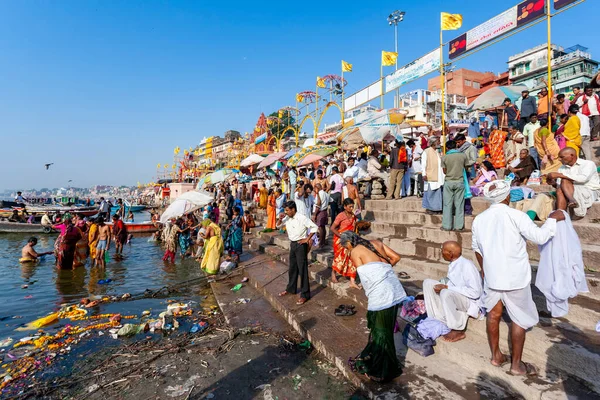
{"points": [[454, 302], [577, 183], [499, 243]]}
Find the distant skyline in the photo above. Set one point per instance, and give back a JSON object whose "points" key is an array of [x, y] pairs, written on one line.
{"points": [[106, 90]]}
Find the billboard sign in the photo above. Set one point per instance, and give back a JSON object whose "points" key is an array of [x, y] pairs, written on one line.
{"points": [[415, 70], [558, 4], [515, 17]]}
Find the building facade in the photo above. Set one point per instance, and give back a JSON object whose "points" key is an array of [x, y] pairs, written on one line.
{"points": [[571, 67], [467, 83], [426, 105]]}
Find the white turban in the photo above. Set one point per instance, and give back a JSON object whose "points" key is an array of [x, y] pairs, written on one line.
{"points": [[500, 192]]}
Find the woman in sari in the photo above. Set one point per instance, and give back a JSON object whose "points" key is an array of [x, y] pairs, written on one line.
{"points": [[93, 238], [342, 264], [374, 261], [213, 247], [547, 148], [184, 237], [486, 173], [496, 142], [235, 235], [262, 197], [170, 232], [82, 247], [559, 134], [66, 252], [572, 131], [271, 215]]}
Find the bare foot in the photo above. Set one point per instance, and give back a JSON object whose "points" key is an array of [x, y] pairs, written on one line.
{"points": [[501, 362], [524, 369], [454, 336], [334, 278], [354, 285]]}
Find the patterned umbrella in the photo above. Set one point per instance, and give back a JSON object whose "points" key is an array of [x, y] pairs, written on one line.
{"points": [[494, 97], [319, 150]]}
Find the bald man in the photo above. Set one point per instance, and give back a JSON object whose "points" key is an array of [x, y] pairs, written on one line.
{"points": [[350, 191], [577, 183], [457, 300]]}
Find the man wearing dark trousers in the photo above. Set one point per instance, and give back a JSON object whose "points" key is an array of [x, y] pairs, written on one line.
{"points": [[300, 230]]}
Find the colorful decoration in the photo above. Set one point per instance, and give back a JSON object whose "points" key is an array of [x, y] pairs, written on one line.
{"points": [[317, 150]]}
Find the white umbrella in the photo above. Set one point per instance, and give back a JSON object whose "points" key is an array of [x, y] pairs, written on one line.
{"points": [[176, 210], [197, 198], [251, 160], [271, 158]]}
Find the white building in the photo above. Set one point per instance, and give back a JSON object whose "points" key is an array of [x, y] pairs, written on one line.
{"points": [[570, 67], [426, 105]]}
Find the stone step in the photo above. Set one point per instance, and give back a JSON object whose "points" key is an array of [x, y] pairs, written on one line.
{"points": [[479, 205], [435, 377], [474, 351]]}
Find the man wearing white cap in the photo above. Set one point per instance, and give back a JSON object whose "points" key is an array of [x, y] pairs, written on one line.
{"points": [[499, 243]]}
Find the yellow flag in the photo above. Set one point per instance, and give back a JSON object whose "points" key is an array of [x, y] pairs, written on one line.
{"points": [[451, 22], [174, 166], [280, 114], [346, 67], [299, 98], [388, 58], [158, 166], [321, 82]]}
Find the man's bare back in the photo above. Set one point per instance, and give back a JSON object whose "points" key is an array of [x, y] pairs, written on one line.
{"points": [[28, 253], [103, 232]]}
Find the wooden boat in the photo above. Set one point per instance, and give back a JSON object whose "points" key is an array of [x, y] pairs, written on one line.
{"points": [[85, 211], [138, 227], [19, 227], [135, 209]]}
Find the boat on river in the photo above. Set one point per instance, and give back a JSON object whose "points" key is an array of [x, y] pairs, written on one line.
{"points": [[135, 209], [20, 227], [138, 227]]}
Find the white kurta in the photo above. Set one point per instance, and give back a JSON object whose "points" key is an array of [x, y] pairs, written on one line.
{"points": [[454, 305], [432, 185], [499, 235], [561, 274]]}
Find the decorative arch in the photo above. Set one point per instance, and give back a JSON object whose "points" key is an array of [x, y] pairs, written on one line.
{"points": [[330, 104], [307, 116]]}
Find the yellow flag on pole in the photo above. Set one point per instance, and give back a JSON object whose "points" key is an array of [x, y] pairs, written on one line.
{"points": [[346, 66], [321, 82], [280, 114], [299, 98], [388, 58], [451, 22]]}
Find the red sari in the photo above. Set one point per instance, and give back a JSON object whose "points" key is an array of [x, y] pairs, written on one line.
{"points": [[66, 253], [342, 264]]}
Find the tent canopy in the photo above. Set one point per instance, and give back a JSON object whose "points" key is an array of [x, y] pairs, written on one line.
{"points": [[251, 160]]}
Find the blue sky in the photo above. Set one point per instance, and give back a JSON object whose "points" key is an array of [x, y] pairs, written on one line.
{"points": [[107, 89]]}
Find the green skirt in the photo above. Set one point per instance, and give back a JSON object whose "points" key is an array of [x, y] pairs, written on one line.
{"points": [[378, 360]]}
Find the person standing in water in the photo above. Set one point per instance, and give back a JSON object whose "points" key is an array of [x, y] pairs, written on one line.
{"points": [[28, 253], [103, 242]]}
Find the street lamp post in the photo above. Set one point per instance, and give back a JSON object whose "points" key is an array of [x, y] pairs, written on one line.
{"points": [[393, 20]]}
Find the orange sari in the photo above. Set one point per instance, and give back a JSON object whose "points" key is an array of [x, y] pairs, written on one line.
{"points": [[496, 141], [342, 264], [271, 217]]}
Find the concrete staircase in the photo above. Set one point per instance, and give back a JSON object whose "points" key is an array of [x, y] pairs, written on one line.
{"points": [[566, 350]]}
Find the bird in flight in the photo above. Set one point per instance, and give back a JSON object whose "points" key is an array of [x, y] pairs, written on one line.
{"points": [[48, 165], [70, 180]]}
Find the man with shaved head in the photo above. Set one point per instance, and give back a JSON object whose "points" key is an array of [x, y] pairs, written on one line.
{"points": [[577, 183], [458, 299]]}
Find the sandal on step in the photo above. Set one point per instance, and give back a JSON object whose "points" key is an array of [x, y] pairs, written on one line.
{"points": [[403, 275]]}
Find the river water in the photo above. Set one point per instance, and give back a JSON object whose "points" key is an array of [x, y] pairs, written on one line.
{"points": [[47, 287]]}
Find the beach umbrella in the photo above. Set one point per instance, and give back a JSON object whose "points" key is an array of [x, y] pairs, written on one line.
{"points": [[176, 210], [197, 198], [494, 97], [320, 150], [291, 153], [271, 158], [309, 159], [217, 177], [251, 160]]}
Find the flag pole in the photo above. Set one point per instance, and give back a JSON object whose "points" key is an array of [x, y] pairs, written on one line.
{"points": [[443, 86], [550, 91], [316, 110], [381, 80], [296, 121], [343, 88]]}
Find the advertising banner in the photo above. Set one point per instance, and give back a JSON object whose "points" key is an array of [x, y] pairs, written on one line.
{"points": [[558, 4], [363, 96], [515, 17], [416, 69]]}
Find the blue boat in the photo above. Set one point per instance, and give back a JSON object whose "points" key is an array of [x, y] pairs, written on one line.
{"points": [[134, 209]]}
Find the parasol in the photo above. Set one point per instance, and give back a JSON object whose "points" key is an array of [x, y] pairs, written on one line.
{"points": [[494, 97], [217, 176], [251, 160], [291, 152], [176, 210], [350, 138], [271, 158], [309, 159], [197, 198], [320, 150]]}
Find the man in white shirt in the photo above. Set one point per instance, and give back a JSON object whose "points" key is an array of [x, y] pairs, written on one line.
{"points": [[304, 199], [20, 199], [529, 132], [46, 219], [300, 230], [104, 209], [455, 301], [320, 212], [293, 179], [577, 183], [499, 242], [591, 101], [352, 170]]}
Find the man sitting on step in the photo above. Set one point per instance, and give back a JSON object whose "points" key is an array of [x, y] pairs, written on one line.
{"points": [[453, 302], [499, 243]]}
